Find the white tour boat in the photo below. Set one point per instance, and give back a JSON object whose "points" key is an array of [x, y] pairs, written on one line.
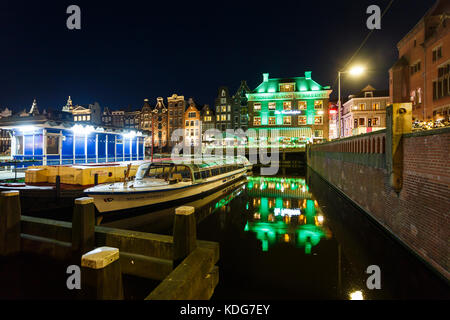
{"points": [[165, 181]]}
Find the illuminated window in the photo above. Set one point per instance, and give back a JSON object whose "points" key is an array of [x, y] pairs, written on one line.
{"points": [[318, 133], [257, 106], [318, 104], [376, 106], [302, 105], [224, 108], [362, 106], [287, 120], [224, 117], [376, 121], [287, 105], [272, 120], [272, 105], [256, 121], [229, 108], [287, 87], [318, 120], [217, 109], [302, 120], [223, 100], [88, 118]]}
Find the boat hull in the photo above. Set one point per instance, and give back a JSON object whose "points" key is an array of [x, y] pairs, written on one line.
{"points": [[117, 201]]}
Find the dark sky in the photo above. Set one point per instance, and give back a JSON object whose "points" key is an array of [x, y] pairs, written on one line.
{"points": [[130, 50]]}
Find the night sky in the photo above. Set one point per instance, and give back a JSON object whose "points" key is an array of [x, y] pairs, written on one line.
{"points": [[130, 50]]}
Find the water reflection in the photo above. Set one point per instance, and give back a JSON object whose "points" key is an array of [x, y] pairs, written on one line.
{"points": [[284, 211]]}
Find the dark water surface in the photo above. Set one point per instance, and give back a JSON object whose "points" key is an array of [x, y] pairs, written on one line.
{"points": [[292, 236]]}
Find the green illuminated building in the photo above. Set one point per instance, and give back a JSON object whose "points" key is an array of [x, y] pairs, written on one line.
{"points": [[297, 107]]}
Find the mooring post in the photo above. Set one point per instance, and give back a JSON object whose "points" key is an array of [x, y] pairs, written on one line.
{"points": [[9, 223], [58, 187], [101, 275], [83, 226], [184, 233]]}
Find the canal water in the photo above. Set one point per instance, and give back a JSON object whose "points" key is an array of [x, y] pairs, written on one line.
{"points": [[292, 236]]}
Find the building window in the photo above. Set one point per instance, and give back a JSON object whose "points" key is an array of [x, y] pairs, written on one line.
{"points": [[437, 54], [287, 120], [302, 120], [224, 117], [53, 144], [224, 108], [287, 87], [362, 121], [256, 121], [375, 122], [318, 133], [318, 120], [376, 106], [192, 114], [229, 117], [19, 145], [217, 109], [272, 121], [287, 105], [187, 123], [229, 108], [318, 104], [302, 105], [217, 118], [257, 106], [223, 100], [362, 106], [272, 105]]}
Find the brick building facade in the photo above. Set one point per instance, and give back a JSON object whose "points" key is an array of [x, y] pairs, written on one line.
{"points": [[421, 74]]}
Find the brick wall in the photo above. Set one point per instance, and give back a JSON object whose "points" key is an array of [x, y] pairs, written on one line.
{"points": [[419, 215]]}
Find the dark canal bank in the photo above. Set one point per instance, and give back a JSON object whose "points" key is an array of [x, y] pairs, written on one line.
{"points": [[293, 236]]}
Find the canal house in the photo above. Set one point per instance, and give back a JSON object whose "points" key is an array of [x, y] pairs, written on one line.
{"points": [[297, 107], [54, 142]]}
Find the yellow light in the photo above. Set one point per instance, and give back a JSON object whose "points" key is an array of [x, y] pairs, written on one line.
{"points": [[320, 219], [356, 71], [357, 295]]}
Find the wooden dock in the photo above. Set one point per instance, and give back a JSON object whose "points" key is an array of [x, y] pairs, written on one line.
{"points": [[185, 266]]}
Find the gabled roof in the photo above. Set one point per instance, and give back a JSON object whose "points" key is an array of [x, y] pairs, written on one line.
{"points": [[305, 83]]}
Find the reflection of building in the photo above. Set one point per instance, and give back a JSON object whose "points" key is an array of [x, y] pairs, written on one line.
{"points": [[176, 107], [159, 124], [223, 110], [421, 74], [192, 125], [5, 138], [284, 212], [297, 107], [365, 112]]}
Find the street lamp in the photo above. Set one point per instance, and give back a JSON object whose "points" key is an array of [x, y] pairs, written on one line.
{"points": [[354, 71]]}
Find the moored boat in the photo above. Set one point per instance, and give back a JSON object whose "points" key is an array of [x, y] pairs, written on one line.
{"points": [[167, 181]]}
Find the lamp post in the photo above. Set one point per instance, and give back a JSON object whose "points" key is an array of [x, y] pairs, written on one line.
{"points": [[355, 71]]}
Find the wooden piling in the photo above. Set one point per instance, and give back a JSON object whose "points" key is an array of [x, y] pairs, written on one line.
{"points": [[184, 233], [9, 223], [101, 275], [83, 226]]}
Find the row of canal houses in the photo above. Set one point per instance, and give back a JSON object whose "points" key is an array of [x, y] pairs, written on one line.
{"points": [[296, 107]]}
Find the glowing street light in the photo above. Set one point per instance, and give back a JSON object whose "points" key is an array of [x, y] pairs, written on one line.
{"points": [[356, 295], [354, 71]]}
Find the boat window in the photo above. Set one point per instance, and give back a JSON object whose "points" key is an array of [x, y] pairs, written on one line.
{"points": [[141, 171], [197, 175], [223, 169], [206, 174], [183, 171]]}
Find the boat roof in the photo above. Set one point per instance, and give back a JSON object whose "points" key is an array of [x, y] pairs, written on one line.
{"points": [[201, 164]]}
